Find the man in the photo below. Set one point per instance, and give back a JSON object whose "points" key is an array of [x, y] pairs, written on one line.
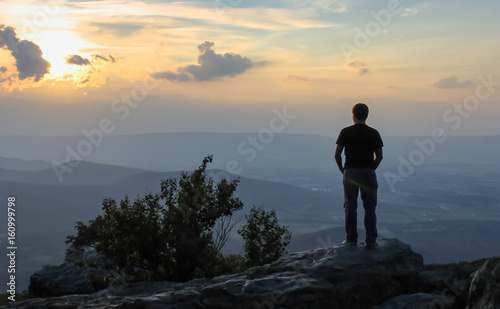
{"points": [[363, 154]]}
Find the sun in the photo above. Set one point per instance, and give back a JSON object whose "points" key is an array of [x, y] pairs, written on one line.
{"points": [[56, 46]]}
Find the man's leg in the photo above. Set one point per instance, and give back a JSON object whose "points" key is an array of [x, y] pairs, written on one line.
{"points": [[350, 205], [369, 197]]}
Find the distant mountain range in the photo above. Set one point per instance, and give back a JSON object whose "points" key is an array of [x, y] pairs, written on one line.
{"points": [[85, 174], [15, 164], [182, 151]]}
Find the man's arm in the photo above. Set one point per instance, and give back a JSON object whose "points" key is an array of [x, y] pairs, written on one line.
{"points": [[338, 157], [378, 157]]}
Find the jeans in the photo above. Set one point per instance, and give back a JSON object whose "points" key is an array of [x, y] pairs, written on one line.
{"points": [[364, 180]]}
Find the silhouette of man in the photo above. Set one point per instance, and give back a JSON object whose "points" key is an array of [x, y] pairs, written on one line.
{"points": [[363, 154]]}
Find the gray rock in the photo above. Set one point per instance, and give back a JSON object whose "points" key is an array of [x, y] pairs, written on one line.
{"points": [[337, 277], [430, 280], [67, 279], [58, 280], [417, 301], [484, 292]]}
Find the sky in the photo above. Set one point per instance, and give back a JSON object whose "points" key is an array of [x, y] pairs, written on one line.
{"points": [[129, 67]]}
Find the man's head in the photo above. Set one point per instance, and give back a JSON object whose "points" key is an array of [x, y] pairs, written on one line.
{"points": [[360, 111]]}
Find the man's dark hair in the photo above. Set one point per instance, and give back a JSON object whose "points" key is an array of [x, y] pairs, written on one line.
{"points": [[360, 111]]}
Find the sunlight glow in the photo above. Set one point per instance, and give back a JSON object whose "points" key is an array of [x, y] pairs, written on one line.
{"points": [[57, 46]]}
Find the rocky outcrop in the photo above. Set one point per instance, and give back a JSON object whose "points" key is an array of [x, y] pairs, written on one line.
{"points": [[59, 280], [484, 292], [389, 276], [68, 278], [338, 277]]}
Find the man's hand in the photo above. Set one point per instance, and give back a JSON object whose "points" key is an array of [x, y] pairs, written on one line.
{"points": [[338, 157], [379, 155]]}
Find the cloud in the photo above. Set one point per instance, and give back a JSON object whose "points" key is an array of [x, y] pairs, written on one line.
{"points": [[78, 60], [409, 12], [302, 79], [359, 66], [3, 69], [355, 64], [92, 72], [452, 83], [118, 29], [110, 59], [178, 77], [363, 71], [28, 55], [296, 78], [321, 6], [211, 66]]}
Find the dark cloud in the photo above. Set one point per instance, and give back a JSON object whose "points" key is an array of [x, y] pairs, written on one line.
{"points": [[118, 29], [78, 60], [356, 64], [100, 57], [452, 83], [94, 68], [178, 77], [93, 71], [363, 71], [28, 55], [110, 59], [359, 66], [3, 69], [211, 66]]}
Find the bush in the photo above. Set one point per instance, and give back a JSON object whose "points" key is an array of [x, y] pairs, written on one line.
{"points": [[166, 236], [265, 239]]}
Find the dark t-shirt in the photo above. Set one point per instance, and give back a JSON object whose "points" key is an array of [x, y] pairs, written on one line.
{"points": [[360, 142]]}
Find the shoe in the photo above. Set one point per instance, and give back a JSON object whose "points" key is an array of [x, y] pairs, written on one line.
{"points": [[346, 243], [371, 245]]}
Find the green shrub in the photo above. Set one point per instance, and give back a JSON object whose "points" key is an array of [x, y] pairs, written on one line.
{"points": [[166, 236], [265, 239]]}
